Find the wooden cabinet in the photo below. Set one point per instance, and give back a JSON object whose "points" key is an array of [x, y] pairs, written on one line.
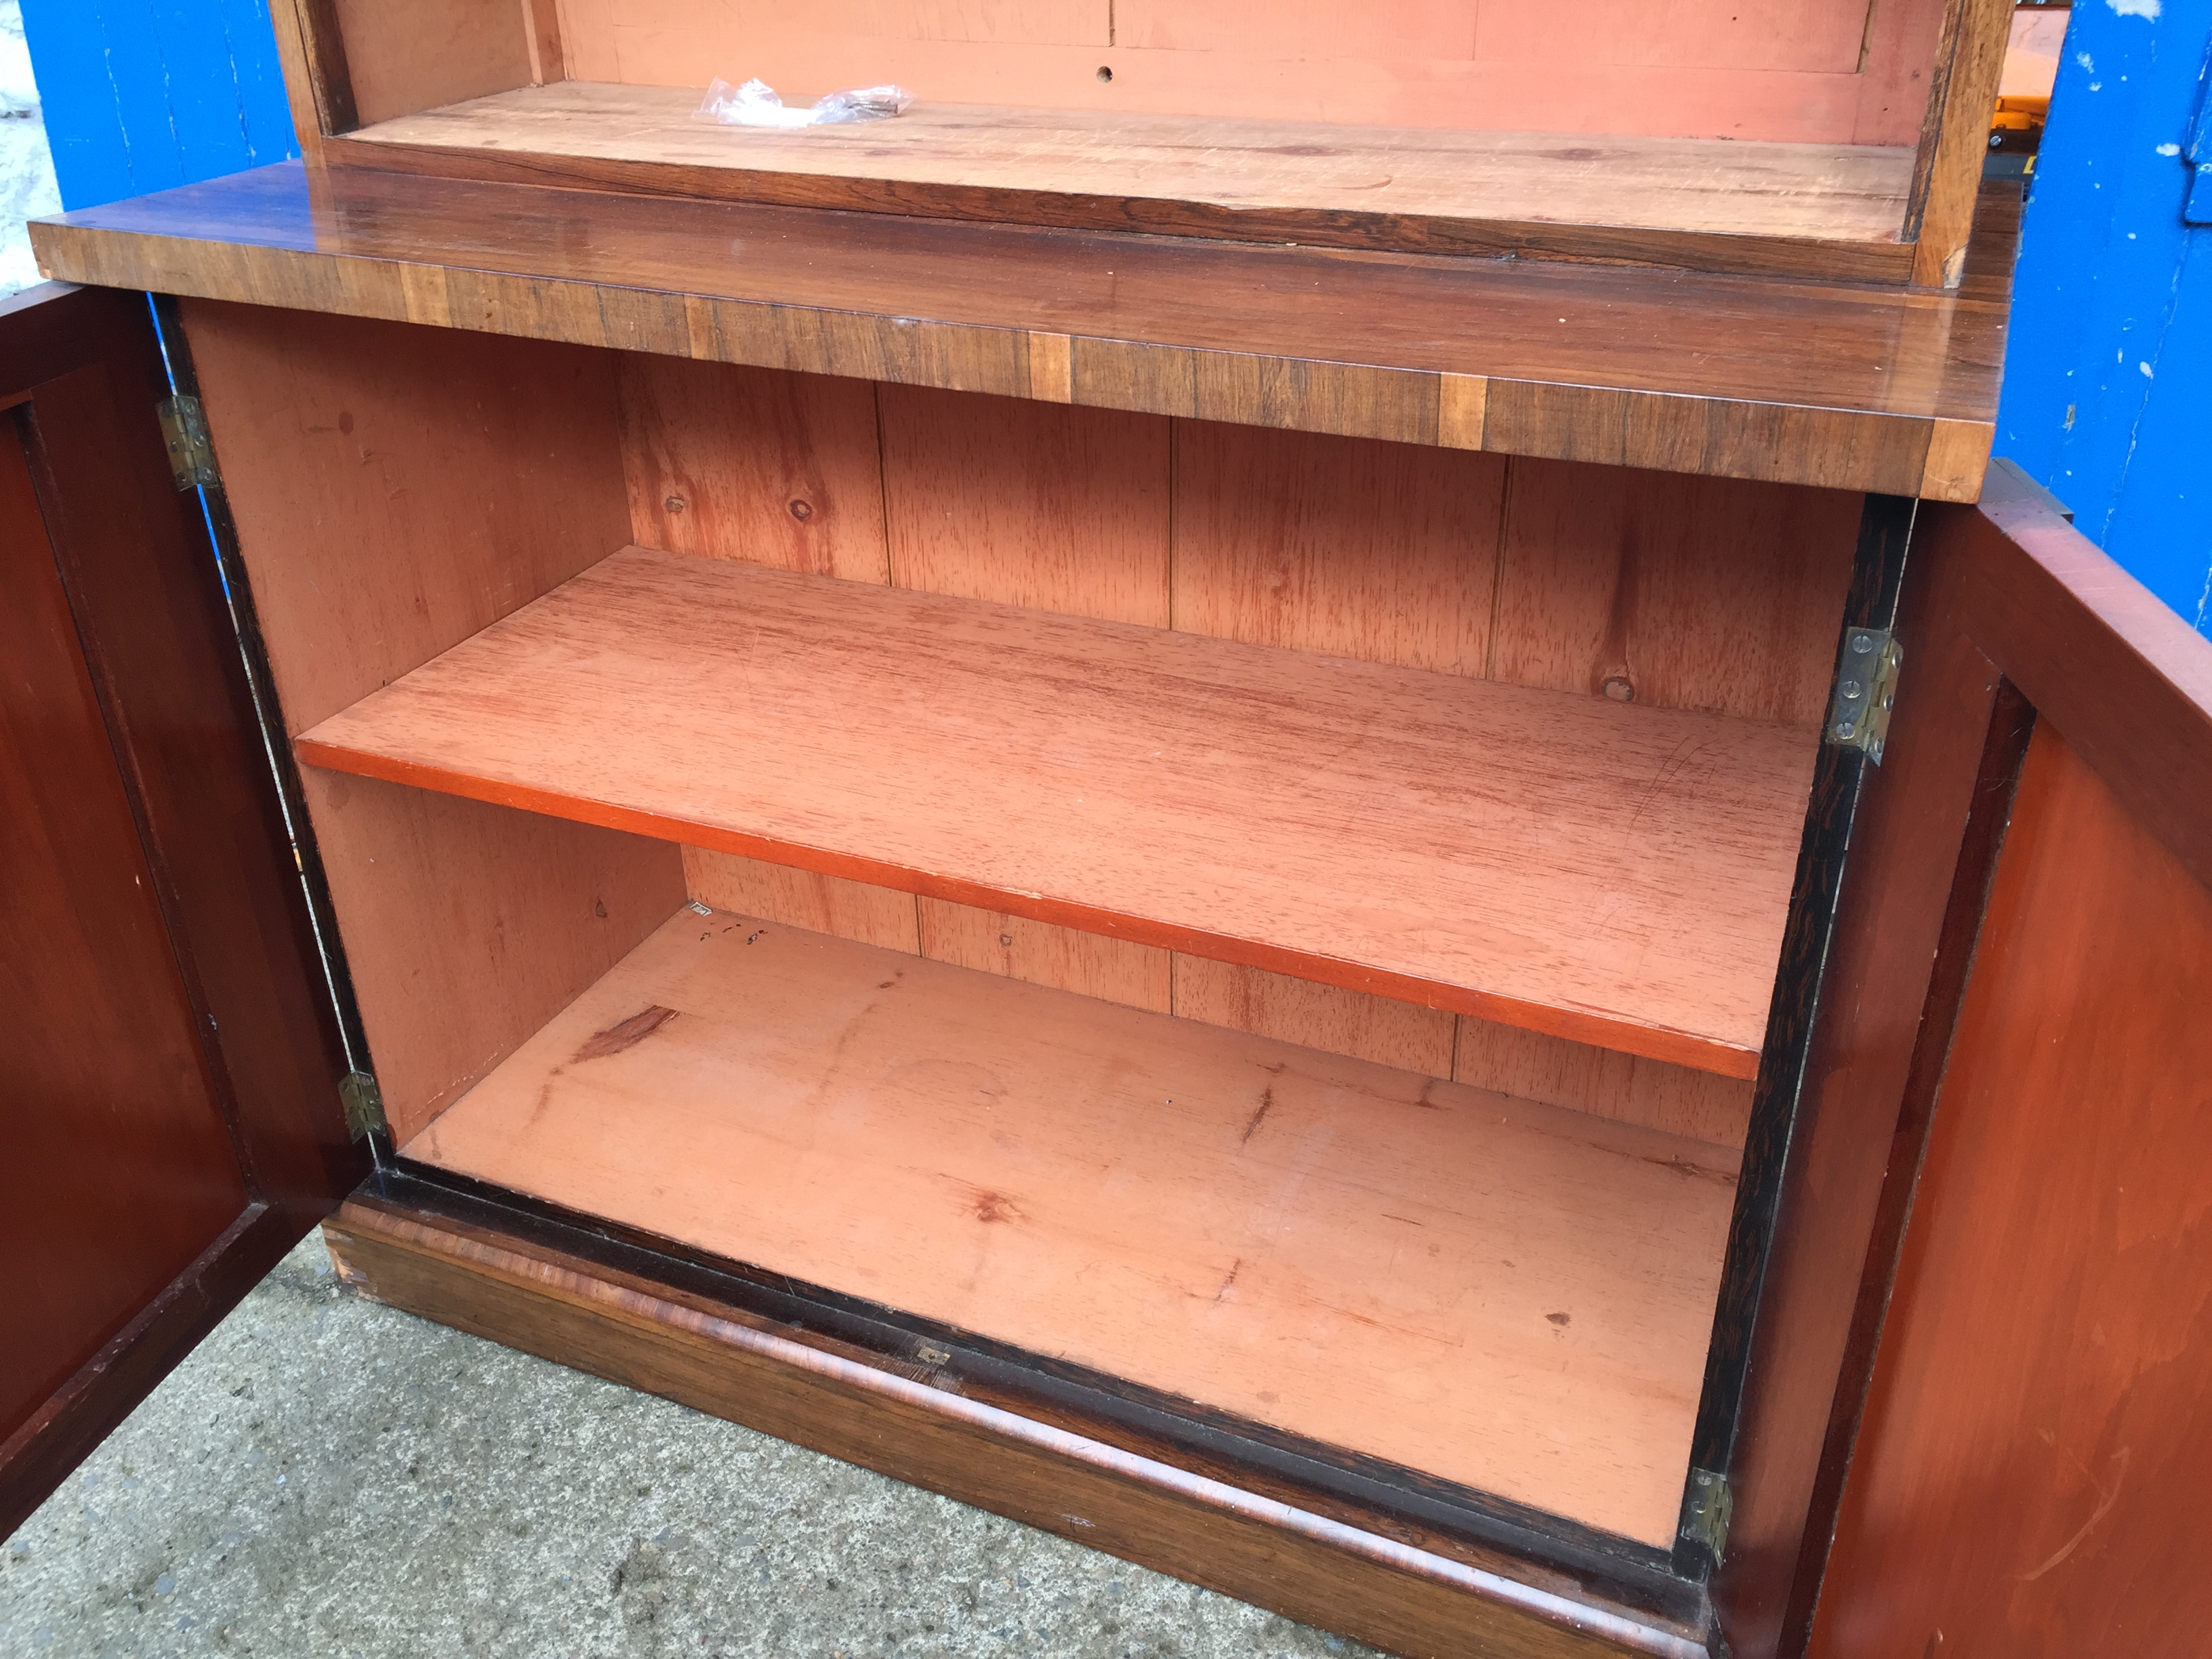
{"points": [[1259, 903]]}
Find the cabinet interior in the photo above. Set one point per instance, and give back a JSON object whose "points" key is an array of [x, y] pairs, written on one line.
{"points": [[1386, 1086], [1794, 131]]}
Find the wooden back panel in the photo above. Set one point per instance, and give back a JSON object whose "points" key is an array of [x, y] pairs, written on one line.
{"points": [[1806, 70], [1690, 593]]}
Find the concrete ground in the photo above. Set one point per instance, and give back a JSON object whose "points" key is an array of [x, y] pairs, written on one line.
{"points": [[325, 1476]]}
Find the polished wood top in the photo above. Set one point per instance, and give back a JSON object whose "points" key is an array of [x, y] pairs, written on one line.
{"points": [[1834, 384]]}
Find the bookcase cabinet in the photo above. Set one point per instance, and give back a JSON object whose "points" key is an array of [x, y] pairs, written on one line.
{"points": [[1213, 864]]}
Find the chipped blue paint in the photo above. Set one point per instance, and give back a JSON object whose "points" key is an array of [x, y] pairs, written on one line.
{"points": [[143, 94], [2108, 383]]}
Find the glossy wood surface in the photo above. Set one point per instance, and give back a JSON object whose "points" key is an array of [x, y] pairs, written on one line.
{"points": [[2028, 1479], [1851, 387], [173, 1124], [1808, 210], [1065, 1473], [1213, 1215], [104, 1052], [1608, 872]]}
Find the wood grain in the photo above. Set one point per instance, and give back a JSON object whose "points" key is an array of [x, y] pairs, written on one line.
{"points": [[1955, 137], [1612, 873], [107, 1045], [468, 926], [401, 58], [1685, 591], [1261, 1204], [1050, 508], [719, 1357], [398, 489], [1627, 1088], [1095, 964], [1395, 1033], [1790, 381], [1386, 552], [760, 464], [804, 898], [2027, 1481], [1778, 72], [171, 1052], [1806, 208]]}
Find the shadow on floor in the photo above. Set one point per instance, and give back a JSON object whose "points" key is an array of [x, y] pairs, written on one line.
{"points": [[325, 1476]]}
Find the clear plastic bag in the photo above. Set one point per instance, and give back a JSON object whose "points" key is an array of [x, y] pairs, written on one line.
{"points": [[756, 105]]}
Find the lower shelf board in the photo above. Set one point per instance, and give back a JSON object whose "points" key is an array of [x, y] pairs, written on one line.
{"points": [[1509, 1296]]}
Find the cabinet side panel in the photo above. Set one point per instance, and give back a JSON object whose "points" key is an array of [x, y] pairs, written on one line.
{"points": [[2028, 1478], [469, 926], [409, 55], [398, 489]]}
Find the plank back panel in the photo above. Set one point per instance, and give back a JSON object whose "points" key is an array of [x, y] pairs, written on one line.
{"points": [[755, 464], [1350, 546], [1688, 592], [2028, 1476], [1403, 1034], [1805, 72], [1046, 506], [1628, 1088]]}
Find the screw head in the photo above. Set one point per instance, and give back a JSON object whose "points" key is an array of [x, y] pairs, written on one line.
{"points": [[1852, 689], [1861, 642], [1847, 728]]}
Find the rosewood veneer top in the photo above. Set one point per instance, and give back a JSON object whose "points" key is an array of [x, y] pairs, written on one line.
{"points": [[1856, 386], [1614, 874]]}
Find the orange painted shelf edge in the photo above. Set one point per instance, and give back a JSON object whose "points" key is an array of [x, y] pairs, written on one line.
{"points": [[1614, 875], [1528, 1291]]}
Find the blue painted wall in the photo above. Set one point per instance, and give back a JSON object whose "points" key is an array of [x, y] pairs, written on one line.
{"points": [[2108, 383], [143, 95], [2108, 387]]}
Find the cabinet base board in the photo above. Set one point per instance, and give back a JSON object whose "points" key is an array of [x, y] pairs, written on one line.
{"points": [[530, 1294]]}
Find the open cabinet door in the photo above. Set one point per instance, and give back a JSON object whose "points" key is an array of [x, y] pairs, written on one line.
{"points": [[170, 1118], [2022, 1469]]}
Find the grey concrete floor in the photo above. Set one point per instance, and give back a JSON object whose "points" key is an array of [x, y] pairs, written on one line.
{"points": [[325, 1476]]}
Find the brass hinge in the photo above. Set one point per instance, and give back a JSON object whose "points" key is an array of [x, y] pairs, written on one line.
{"points": [[1866, 690], [192, 455], [363, 1103], [1706, 1508]]}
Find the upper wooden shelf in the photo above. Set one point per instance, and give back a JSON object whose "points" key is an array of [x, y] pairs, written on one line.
{"points": [[1614, 874], [1809, 209], [1853, 387]]}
